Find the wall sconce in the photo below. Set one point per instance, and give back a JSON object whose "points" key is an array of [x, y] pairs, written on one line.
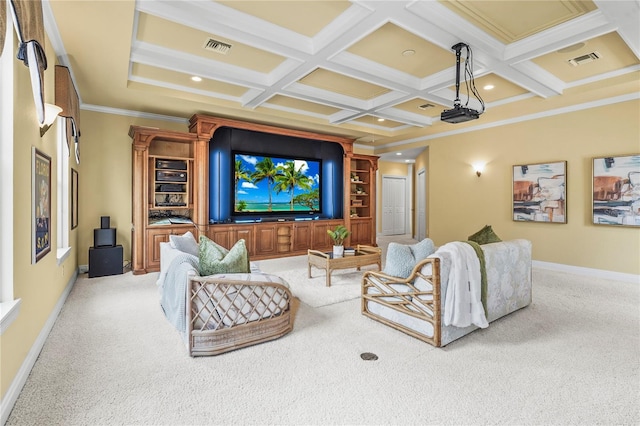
{"points": [[50, 114], [478, 168]]}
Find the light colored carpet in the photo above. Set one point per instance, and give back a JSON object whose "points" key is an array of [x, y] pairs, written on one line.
{"points": [[345, 283], [572, 357]]}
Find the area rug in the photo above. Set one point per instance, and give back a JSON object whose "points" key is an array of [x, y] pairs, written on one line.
{"points": [[345, 285]]}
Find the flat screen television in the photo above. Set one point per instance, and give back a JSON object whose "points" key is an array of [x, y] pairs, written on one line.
{"points": [[275, 184]]}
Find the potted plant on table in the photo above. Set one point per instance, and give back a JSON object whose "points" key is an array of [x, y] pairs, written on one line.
{"points": [[338, 235]]}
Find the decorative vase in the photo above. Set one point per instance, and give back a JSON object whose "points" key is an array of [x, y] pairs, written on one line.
{"points": [[338, 251]]}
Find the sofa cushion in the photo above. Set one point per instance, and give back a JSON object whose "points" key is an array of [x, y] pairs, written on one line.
{"points": [[185, 243], [402, 258], [215, 259], [485, 236]]}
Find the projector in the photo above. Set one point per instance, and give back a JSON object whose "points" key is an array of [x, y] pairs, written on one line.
{"points": [[459, 114]]}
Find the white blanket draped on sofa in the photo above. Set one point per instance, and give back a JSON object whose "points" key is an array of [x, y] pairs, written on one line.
{"points": [[463, 305], [174, 290], [404, 304]]}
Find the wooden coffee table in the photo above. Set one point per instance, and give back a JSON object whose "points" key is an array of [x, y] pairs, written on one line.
{"points": [[364, 255]]}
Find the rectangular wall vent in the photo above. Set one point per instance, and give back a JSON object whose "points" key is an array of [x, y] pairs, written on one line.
{"points": [[217, 46], [589, 57]]}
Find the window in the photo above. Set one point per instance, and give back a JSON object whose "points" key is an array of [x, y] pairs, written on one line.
{"points": [[8, 306], [63, 249]]}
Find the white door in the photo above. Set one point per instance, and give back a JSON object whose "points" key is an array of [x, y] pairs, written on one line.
{"points": [[421, 203], [394, 205]]}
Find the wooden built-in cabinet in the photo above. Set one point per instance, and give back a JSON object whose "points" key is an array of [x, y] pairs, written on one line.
{"points": [[362, 199], [170, 184], [321, 240], [166, 165], [155, 236], [361, 231], [228, 235], [275, 239]]}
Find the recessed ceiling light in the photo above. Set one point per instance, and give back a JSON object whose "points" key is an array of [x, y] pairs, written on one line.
{"points": [[488, 87], [380, 119], [398, 153], [408, 52], [196, 79]]}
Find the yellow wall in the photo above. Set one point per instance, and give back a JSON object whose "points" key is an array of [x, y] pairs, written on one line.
{"points": [[105, 175], [104, 189], [38, 286], [460, 203]]}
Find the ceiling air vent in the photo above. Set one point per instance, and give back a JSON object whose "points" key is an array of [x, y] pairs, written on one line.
{"points": [[580, 60], [216, 46], [426, 106]]}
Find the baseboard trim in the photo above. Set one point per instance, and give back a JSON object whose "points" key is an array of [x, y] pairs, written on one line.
{"points": [[10, 398], [579, 270]]}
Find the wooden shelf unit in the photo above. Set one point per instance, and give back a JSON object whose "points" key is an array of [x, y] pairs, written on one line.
{"points": [[149, 146], [170, 185], [264, 240], [362, 198]]}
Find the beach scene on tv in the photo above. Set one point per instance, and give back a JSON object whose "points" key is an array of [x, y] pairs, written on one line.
{"points": [[265, 184]]}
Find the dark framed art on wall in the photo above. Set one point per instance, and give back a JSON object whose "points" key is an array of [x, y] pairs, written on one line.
{"points": [[74, 198], [40, 205]]}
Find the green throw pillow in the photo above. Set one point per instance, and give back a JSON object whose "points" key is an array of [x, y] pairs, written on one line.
{"points": [[215, 259], [485, 236]]}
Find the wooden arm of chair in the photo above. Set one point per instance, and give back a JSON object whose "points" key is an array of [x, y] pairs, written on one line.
{"points": [[401, 295], [415, 273]]}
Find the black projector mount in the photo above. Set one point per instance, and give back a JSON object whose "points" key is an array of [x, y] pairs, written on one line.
{"points": [[459, 113]]}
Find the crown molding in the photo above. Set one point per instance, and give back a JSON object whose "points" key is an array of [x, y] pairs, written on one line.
{"points": [[544, 114]]}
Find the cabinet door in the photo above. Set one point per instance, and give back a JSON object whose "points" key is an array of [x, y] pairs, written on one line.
{"points": [[301, 236], [154, 238], [321, 240], [245, 233], [222, 235], [265, 242], [361, 232]]}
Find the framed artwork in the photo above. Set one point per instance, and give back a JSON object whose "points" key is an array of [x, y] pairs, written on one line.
{"points": [[616, 190], [40, 205], [539, 192], [74, 198]]}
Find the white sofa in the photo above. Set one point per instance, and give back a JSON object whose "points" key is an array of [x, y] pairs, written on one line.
{"points": [[415, 305], [222, 312]]}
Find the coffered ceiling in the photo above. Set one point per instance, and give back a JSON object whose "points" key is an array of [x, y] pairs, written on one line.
{"points": [[378, 71]]}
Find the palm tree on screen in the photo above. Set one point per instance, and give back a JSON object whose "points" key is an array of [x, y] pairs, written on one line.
{"points": [[265, 170], [240, 173], [289, 178], [310, 200]]}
